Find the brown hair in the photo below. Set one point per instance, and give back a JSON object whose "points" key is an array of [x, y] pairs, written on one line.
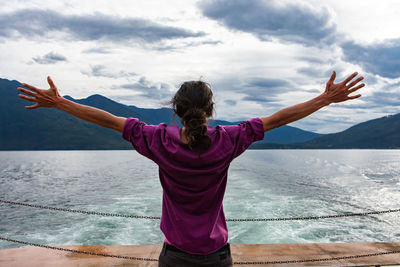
{"points": [[193, 104]]}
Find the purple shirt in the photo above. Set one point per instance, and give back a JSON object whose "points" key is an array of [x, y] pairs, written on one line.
{"points": [[193, 185]]}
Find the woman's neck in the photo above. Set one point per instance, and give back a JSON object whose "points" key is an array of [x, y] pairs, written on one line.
{"points": [[183, 136]]}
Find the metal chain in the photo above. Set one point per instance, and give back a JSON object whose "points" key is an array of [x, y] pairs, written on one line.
{"points": [[316, 217], [78, 251], [80, 211], [238, 262], [229, 220]]}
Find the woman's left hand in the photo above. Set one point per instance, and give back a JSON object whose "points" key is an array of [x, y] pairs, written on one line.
{"points": [[339, 92], [43, 98]]}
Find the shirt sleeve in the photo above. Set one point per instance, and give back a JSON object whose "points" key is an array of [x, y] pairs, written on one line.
{"points": [[140, 135], [244, 134]]}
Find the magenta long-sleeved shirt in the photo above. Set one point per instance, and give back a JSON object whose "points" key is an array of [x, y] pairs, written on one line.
{"points": [[193, 185]]}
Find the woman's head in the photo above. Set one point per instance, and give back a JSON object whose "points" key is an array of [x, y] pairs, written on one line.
{"points": [[193, 104]]}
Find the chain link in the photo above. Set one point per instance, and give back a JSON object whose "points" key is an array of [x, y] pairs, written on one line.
{"points": [[229, 220], [238, 262]]}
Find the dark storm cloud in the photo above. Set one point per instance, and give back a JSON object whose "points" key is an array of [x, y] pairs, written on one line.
{"points": [[49, 58], [37, 23], [382, 58], [290, 22]]}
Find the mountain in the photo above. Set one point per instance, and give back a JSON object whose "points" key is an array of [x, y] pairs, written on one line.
{"points": [[381, 133], [51, 129], [41, 129], [286, 135], [48, 129]]}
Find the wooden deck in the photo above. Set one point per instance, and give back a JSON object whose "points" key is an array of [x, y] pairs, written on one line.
{"points": [[35, 256]]}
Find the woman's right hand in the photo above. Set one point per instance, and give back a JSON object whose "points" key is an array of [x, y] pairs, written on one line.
{"points": [[44, 98], [339, 92]]}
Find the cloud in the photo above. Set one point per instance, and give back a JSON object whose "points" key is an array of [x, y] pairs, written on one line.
{"points": [[311, 71], [162, 46], [381, 58], [97, 50], [270, 84], [230, 102], [264, 90], [259, 99], [49, 58], [258, 90], [149, 89], [385, 99], [322, 72], [101, 71], [97, 26], [389, 97], [288, 21], [313, 59]]}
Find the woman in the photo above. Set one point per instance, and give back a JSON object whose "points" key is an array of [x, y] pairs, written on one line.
{"points": [[193, 161]]}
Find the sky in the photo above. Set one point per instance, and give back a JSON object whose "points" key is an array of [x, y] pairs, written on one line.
{"points": [[258, 56]]}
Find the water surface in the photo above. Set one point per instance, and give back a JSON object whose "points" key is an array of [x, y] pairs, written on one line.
{"points": [[261, 184]]}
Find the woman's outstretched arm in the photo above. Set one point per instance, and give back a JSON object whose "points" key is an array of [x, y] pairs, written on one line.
{"points": [[51, 98], [334, 93]]}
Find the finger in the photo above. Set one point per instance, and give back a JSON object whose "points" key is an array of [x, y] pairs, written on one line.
{"points": [[354, 97], [355, 82], [23, 90], [51, 83], [33, 106], [348, 79], [333, 77], [33, 88], [32, 99], [356, 88]]}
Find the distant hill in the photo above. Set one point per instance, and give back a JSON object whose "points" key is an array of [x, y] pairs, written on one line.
{"points": [[382, 133], [45, 129]]}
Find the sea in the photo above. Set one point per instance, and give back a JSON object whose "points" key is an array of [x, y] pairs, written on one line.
{"points": [[261, 184]]}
